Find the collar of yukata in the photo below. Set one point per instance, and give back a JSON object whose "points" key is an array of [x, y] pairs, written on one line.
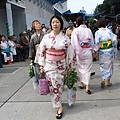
{"points": [[83, 26], [102, 28]]}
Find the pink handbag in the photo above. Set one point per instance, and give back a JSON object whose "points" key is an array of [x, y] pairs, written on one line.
{"points": [[43, 86]]}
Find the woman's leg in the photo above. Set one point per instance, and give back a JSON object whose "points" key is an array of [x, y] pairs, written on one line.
{"points": [[11, 56], [56, 84], [5, 57]]}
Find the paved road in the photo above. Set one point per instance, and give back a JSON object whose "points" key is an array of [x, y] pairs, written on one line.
{"points": [[18, 100]]}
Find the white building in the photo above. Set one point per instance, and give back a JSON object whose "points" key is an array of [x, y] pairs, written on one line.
{"points": [[17, 15]]}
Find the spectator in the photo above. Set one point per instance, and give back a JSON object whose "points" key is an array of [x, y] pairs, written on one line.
{"points": [[29, 34], [1, 65], [70, 29], [34, 43], [25, 43], [19, 50], [12, 47], [8, 56], [44, 29]]}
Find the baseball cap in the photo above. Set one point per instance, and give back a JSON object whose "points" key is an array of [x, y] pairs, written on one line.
{"points": [[70, 24]]}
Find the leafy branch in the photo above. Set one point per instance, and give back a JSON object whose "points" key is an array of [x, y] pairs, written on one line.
{"points": [[71, 78]]}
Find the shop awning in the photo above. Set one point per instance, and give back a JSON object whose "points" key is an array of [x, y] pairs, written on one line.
{"points": [[68, 15]]}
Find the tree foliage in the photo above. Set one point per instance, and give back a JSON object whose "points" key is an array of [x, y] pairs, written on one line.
{"points": [[71, 78], [109, 7]]}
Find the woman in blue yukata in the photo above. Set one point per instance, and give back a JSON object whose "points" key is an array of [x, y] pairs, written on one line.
{"points": [[106, 47]]}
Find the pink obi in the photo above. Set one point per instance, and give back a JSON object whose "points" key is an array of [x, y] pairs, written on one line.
{"points": [[55, 55]]}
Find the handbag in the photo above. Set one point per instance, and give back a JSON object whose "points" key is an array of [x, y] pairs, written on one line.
{"points": [[43, 85]]}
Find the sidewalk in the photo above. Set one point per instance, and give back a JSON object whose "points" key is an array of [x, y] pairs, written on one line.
{"points": [[18, 100]]}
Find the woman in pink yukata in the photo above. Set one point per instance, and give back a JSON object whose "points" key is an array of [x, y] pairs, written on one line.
{"points": [[53, 55], [83, 45]]}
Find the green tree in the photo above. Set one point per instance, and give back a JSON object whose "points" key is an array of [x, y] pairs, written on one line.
{"points": [[110, 7]]}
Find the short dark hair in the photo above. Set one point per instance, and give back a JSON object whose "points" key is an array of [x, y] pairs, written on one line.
{"points": [[102, 23], [60, 19], [79, 20]]}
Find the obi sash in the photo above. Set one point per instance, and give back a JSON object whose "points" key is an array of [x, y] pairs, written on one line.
{"points": [[106, 44], [85, 44], [55, 55]]}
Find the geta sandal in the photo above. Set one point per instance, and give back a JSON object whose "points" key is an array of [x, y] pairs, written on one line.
{"points": [[88, 91], [109, 84], [59, 115], [102, 84], [81, 87]]}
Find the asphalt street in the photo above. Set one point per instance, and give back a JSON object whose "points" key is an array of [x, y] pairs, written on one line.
{"points": [[18, 100]]}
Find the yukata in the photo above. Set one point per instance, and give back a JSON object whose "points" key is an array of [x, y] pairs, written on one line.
{"points": [[106, 44], [83, 45], [55, 54]]}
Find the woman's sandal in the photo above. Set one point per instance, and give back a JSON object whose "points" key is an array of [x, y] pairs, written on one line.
{"points": [[59, 115], [109, 84], [102, 84], [88, 91], [81, 87]]}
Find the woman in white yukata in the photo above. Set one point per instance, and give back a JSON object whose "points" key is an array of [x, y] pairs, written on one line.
{"points": [[106, 46], [83, 45], [53, 55]]}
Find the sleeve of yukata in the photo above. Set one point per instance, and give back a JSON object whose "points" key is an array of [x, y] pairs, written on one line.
{"points": [[70, 57], [96, 42], [92, 41], [114, 39], [40, 53], [31, 49], [75, 42]]}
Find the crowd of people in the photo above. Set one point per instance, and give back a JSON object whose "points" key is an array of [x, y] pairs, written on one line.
{"points": [[13, 49], [57, 50], [75, 46]]}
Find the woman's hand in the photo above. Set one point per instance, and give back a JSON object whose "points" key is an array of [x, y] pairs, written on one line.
{"points": [[42, 70], [69, 70], [36, 47], [31, 61], [1, 48]]}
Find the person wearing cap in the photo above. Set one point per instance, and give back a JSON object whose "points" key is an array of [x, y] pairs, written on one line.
{"points": [[25, 43], [70, 29]]}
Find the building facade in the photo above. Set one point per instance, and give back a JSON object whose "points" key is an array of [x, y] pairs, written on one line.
{"points": [[17, 15]]}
